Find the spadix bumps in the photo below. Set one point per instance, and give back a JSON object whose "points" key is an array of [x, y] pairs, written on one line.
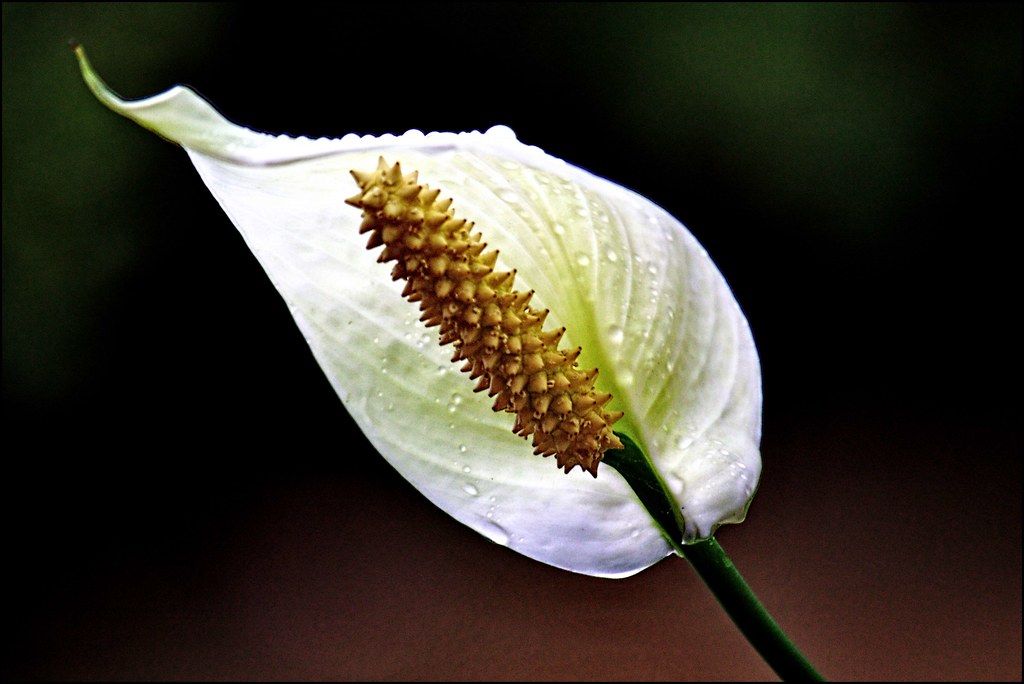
{"points": [[493, 328]]}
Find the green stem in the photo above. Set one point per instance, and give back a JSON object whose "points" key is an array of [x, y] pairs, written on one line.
{"points": [[741, 604], [711, 564]]}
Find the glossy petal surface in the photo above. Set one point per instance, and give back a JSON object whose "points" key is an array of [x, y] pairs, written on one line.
{"points": [[629, 282]]}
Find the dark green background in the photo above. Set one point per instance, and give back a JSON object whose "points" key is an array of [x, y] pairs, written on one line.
{"points": [[184, 497]]}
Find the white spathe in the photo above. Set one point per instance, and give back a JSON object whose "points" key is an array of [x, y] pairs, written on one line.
{"points": [[629, 282]]}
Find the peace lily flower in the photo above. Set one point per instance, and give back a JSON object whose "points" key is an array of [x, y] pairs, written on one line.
{"points": [[638, 298]]}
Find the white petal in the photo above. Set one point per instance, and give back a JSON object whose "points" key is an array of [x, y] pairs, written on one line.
{"points": [[631, 284]]}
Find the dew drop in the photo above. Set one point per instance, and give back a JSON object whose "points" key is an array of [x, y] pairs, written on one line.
{"points": [[612, 256], [453, 404], [462, 449], [559, 229], [685, 442], [494, 532], [467, 469], [470, 489], [616, 335], [582, 259]]}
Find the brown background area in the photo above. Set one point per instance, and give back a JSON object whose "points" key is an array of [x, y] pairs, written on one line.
{"points": [[184, 497], [878, 568]]}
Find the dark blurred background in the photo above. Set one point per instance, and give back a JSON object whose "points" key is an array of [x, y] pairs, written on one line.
{"points": [[185, 498]]}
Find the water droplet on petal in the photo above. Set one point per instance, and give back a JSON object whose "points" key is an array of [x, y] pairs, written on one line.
{"points": [[582, 259], [501, 132], [616, 335], [494, 532], [470, 489], [462, 449]]}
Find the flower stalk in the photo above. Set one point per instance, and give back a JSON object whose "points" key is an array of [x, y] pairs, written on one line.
{"points": [[713, 566], [746, 611]]}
